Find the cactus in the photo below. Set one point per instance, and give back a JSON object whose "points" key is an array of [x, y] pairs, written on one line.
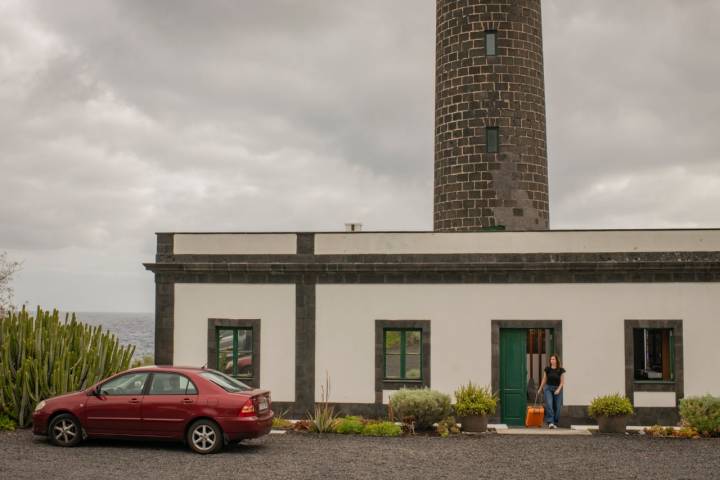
{"points": [[42, 356]]}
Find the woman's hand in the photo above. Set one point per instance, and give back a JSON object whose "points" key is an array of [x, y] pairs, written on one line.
{"points": [[557, 392]]}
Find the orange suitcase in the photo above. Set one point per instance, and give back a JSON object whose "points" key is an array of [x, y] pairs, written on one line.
{"points": [[535, 415]]}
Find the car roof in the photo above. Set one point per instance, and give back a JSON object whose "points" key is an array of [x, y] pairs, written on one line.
{"points": [[168, 368]]}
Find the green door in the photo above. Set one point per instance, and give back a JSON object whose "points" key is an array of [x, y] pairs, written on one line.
{"points": [[513, 375]]}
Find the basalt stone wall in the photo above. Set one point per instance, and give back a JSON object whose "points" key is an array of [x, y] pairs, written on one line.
{"points": [[475, 189]]}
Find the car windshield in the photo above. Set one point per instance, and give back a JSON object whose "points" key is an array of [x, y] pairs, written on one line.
{"points": [[226, 382]]}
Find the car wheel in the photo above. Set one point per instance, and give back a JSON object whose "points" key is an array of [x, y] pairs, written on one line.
{"points": [[65, 431], [204, 436]]}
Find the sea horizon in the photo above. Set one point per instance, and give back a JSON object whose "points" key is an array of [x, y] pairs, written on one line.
{"points": [[131, 328]]}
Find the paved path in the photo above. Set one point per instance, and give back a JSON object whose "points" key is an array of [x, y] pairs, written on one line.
{"points": [[297, 456]]}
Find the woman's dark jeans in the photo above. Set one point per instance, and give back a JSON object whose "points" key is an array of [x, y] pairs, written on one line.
{"points": [[553, 404]]}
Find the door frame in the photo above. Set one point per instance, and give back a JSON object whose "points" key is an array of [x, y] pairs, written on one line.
{"points": [[496, 325]]}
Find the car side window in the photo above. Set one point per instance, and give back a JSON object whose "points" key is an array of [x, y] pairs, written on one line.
{"points": [[171, 384], [129, 384], [191, 390]]}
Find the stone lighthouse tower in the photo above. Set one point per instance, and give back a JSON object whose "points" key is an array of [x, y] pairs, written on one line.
{"points": [[490, 140]]}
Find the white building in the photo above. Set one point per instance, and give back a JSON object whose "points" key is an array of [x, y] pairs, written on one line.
{"points": [[635, 312]]}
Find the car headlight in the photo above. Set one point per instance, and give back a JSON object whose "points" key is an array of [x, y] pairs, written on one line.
{"points": [[40, 405]]}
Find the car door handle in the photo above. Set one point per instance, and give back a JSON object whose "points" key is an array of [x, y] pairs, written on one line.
{"points": [[187, 401], [133, 401]]}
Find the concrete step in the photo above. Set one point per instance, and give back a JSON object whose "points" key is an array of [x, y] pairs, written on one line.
{"points": [[630, 428], [543, 431]]}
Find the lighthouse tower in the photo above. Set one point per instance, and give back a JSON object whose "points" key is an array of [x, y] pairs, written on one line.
{"points": [[490, 139]]}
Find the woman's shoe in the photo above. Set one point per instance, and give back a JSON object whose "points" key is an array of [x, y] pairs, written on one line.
{"points": [[552, 425]]}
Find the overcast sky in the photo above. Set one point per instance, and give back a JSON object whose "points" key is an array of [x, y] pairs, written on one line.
{"points": [[120, 118]]}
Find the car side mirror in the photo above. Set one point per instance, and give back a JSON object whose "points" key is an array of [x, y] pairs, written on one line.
{"points": [[95, 392]]}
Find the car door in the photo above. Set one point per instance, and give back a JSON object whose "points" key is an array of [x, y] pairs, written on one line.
{"points": [[116, 409], [168, 404]]}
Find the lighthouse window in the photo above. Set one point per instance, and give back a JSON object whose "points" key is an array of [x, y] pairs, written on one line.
{"points": [[492, 139], [490, 43]]}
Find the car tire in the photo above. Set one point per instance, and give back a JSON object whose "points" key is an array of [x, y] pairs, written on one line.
{"points": [[65, 431], [205, 437]]}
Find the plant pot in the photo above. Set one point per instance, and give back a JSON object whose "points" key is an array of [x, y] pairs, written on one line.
{"points": [[474, 423], [615, 424]]}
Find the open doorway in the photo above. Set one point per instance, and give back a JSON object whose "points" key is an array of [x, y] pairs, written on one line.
{"points": [[521, 350]]}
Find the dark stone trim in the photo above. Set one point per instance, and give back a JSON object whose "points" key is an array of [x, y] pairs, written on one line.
{"points": [[306, 247], [399, 274], [632, 386], [164, 318], [366, 410], [380, 382], [655, 415], [654, 386], [571, 415], [578, 415], [254, 324], [165, 247], [304, 345], [461, 268], [306, 244], [496, 325]]}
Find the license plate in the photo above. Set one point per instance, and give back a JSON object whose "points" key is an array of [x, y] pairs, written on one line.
{"points": [[263, 404]]}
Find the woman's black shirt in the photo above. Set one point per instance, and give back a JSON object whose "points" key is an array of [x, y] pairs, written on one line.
{"points": [[553, 376]]}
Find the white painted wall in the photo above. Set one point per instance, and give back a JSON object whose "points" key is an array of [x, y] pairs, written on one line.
{"points": [[655, 399], [518, 242], [235, 244], [274, 305], [593, 331]]}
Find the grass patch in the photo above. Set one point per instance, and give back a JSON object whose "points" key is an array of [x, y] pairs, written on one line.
{"points": [[349, 425], [382, 429], [7, 423]]}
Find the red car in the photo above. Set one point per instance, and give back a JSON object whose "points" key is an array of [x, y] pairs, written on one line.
{"points": [[204, 408]]}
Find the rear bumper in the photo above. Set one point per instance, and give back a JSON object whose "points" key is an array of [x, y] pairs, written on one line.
{"points": [[238, 428], [40, 423]]}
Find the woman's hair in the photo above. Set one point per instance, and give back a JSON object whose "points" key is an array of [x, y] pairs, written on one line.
{"points": [[557, 358]]}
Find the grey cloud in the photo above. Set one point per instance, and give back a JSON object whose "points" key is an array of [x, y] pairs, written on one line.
{"points": [[121, 118], [632, 95]]}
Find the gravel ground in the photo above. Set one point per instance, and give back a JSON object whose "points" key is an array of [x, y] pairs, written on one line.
{"points": [[298, 456]]}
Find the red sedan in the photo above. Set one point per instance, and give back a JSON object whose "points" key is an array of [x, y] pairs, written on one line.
{"points": [[204, 408]]}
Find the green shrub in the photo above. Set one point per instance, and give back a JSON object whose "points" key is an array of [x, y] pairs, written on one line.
{"points": [[349, 425], [687, 432], [279, 421], [702, 414], [41, 357], [424, 406], [282, 424], [324, 417], [667, 432], [382, 429], [472, 399], [447, 426], [610, 406], [6, 423]]}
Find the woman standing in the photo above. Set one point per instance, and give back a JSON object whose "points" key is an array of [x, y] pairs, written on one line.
{"points": [[552, 385]]}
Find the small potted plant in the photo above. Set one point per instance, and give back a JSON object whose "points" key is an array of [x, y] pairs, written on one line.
{"points": [[611, 412], [473, 404]]}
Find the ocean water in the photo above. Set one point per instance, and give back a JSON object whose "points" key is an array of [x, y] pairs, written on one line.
{"points": [[131, 328]]}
